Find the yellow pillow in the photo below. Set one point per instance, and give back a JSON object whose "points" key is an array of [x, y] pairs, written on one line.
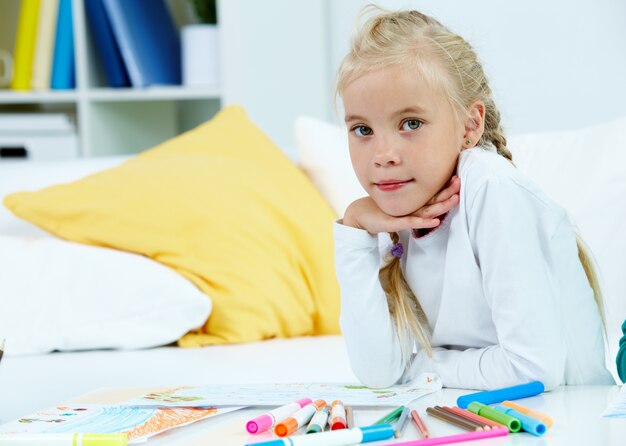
{"points": [[223, 206]]}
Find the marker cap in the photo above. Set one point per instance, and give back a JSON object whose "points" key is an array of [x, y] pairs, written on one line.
{"points": [[286, 427], [259, 424], [376, 432], [340, 424], [304, 401]]}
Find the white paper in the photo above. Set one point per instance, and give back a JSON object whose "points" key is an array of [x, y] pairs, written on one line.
{"points": [[617, 408], [279, 394]]}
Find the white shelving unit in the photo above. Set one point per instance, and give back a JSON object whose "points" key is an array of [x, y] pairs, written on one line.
{"points": [[274, 62], [114, 120]]}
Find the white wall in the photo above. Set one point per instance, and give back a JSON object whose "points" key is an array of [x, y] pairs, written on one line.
{"points": [[276, 62], [552, 65]]}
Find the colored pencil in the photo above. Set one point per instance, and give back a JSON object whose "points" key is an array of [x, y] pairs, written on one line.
{"points": [[468, 436], [461, 417], [457, 421], [349, 417], [391, 416], [401, 423], [419, 424], [472, 416]]}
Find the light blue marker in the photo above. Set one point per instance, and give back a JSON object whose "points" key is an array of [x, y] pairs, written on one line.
{"points": [[529, 424]]}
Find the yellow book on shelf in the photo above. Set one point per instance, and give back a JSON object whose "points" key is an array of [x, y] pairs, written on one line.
{"points": [[25, 44], [44, 46]]}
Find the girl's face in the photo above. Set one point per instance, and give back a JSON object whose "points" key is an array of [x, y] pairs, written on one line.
{"points": [[403, 136]]}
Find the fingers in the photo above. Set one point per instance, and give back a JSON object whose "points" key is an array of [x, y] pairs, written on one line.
{"points": [[438, 209], [411, 222]]}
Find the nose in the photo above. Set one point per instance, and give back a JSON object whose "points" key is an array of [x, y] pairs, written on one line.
{"points": [[385, 155]]}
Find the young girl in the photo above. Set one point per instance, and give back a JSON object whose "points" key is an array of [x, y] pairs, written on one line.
{"points": [[484, 283]]}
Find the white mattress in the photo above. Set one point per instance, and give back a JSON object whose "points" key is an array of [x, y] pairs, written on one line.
{"points": [[28, 383]]}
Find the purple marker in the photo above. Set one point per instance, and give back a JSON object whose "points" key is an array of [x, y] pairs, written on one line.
{"points": [[269, 419]]}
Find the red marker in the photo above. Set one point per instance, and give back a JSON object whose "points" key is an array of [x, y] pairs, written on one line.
{"points": [[337, 416]]}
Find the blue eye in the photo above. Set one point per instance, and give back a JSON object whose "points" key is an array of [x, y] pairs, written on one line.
{"points": [[362, 130], [411, 124]]}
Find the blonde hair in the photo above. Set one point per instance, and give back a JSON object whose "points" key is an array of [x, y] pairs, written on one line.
{"points": [[446, 62]]}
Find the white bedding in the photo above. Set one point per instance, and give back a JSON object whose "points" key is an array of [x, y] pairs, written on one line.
{"points": [[28, 383]]}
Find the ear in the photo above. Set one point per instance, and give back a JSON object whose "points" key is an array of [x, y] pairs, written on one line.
{"points": [[474, 124]]}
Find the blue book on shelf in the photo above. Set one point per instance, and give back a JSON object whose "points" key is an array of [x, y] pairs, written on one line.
{"points": [[147, 39], [107, 47], [62, 77]]}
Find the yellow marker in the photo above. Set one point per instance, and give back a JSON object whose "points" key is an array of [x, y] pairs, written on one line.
{"points": [[63, 439]]}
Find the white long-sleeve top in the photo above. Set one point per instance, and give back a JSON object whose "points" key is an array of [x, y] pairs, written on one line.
{"points": [[499, 280]]}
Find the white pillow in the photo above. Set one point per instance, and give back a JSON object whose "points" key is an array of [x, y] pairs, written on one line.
{"points": [[583, 170], [58, 295]]}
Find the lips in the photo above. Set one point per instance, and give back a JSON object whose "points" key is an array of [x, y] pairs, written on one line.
{"points": [[391, 185]]}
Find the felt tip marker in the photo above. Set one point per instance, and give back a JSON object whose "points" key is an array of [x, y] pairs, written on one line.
{"points": [[341, 437], [63, 439], [529, 424], [530, 412], [337, 416], [499, 395], [291, 424], [269, 419], [318, 422], [513, 424]]}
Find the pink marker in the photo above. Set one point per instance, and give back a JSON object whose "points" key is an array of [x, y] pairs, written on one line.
{"points": [[497, 432], [269, 419]]}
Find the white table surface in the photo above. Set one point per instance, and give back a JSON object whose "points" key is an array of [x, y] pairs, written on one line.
{"points": [[575, 410]]}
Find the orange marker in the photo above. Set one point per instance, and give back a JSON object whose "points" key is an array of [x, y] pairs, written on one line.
{"points": [[337, 416], [291, 424], [530, 412]]}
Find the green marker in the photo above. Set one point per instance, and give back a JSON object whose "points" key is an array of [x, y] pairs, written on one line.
{"points": [[63, 439], [318, 422], [483, 410], [391, 416]]}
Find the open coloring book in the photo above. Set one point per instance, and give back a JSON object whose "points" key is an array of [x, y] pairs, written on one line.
{"points": [[139, 423], [279, 394]]}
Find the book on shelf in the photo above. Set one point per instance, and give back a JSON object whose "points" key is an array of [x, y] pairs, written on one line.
{"points": [[106, 45], [63, 77], [25, 44], [147, 39], [44, 46]]}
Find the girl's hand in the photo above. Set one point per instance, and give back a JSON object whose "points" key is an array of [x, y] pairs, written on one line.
{"points": [[365, 214]]}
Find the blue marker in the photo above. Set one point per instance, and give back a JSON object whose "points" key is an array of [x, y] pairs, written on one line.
{"points": [[339, 437], [499, 395], [529, 424]]}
